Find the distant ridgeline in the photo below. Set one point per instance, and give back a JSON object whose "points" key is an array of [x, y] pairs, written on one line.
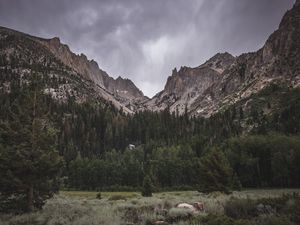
{"points": [[253, 137]]}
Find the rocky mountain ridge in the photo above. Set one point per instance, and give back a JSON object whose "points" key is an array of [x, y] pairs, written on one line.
{"points": [[185, 86], [124, 90], [224, 80], [19, 46], [204, 90]]}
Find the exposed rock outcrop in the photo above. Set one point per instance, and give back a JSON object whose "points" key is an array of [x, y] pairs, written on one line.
{"points": [[223, 80], [185, 86], [123, 89], [201, 91], [91, 81]]}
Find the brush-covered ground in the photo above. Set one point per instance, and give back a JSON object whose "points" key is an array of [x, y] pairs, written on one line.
{"points": [[249, 207]]}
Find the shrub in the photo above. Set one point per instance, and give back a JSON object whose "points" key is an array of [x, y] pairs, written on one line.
{"points": [[212, 219], [167, 204], [147, 187], [241, 208], [116, 197], [236, 183], [215, 172], [98, 196], [273, 220], [281, 203], [286, 208], [177, 214]]}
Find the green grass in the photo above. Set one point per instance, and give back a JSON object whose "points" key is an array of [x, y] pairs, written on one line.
{"points": [[93, 194], [82, 207], [252, 193]]}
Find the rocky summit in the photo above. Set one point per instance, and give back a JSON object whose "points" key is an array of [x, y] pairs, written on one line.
{"points": [[203, 91], [77, 76], [123, 90], [186, 86], [224, 79]]}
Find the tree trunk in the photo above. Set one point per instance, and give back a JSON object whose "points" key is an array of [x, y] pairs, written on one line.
{"points": [[30, 199], [33, 142]]}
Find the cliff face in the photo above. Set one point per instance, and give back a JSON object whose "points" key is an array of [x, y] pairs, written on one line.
{"points": [[77, 76], [224, 80], [123, 90], [185, 86], [80, 63]]}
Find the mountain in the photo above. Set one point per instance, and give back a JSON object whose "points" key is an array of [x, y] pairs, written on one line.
{"points": [[123, 90], [224, 79], [203, 91], [77, 76], [187, 85]]}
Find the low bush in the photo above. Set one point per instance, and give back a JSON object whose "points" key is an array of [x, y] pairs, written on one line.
{"points": [[241, 208], [98, 196], [273, 220], [117, 197], [218, 220], [280, 210], [281, 204], [178, 214]]}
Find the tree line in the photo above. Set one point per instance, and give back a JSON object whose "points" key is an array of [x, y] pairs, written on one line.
{"points": [[271, 160]]}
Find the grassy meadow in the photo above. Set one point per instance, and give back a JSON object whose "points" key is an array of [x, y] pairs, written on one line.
{"points": [[84, 208]]}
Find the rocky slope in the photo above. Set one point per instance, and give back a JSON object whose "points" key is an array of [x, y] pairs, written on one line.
{"points": [[187, 85], [124, 90], [202, 91], [80, 77], [224, 80]]}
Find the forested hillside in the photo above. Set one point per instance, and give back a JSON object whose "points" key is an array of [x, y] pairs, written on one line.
{"points": [[93, 138]]}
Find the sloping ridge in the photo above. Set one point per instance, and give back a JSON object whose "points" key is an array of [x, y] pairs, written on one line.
{"points": [[224, 79], [121, 92], [201, 91]]}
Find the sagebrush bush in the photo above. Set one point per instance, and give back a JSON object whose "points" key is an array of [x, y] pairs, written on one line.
{"points": [[87, 210], [117, 197], [212, 219], [273, 220], [98, 196], [68, 211], [280, 210], [177, 214], [241, 208]]}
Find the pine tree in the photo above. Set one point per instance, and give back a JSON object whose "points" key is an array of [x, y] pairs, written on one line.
{"points": [[29, 162], [236, 183], [215, 172], [147, 187]]}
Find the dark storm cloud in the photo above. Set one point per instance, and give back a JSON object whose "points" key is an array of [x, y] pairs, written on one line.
{"points": [[144, 39]]}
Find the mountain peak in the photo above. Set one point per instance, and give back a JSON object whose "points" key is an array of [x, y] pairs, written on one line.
{"points": [[284, 43], [55, 40], [220, 57], [174, 71], [219, 62], [119, 78], [224, 79], [83, 56]]}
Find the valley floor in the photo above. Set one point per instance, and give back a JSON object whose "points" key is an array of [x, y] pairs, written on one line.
{"points": [[84, 208]]}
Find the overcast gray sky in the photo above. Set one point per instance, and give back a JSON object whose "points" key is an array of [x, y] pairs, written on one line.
{"points": [[145, 39]]}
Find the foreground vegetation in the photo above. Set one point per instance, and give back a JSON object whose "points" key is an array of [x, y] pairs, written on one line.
{"points": [[249, 207]]}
